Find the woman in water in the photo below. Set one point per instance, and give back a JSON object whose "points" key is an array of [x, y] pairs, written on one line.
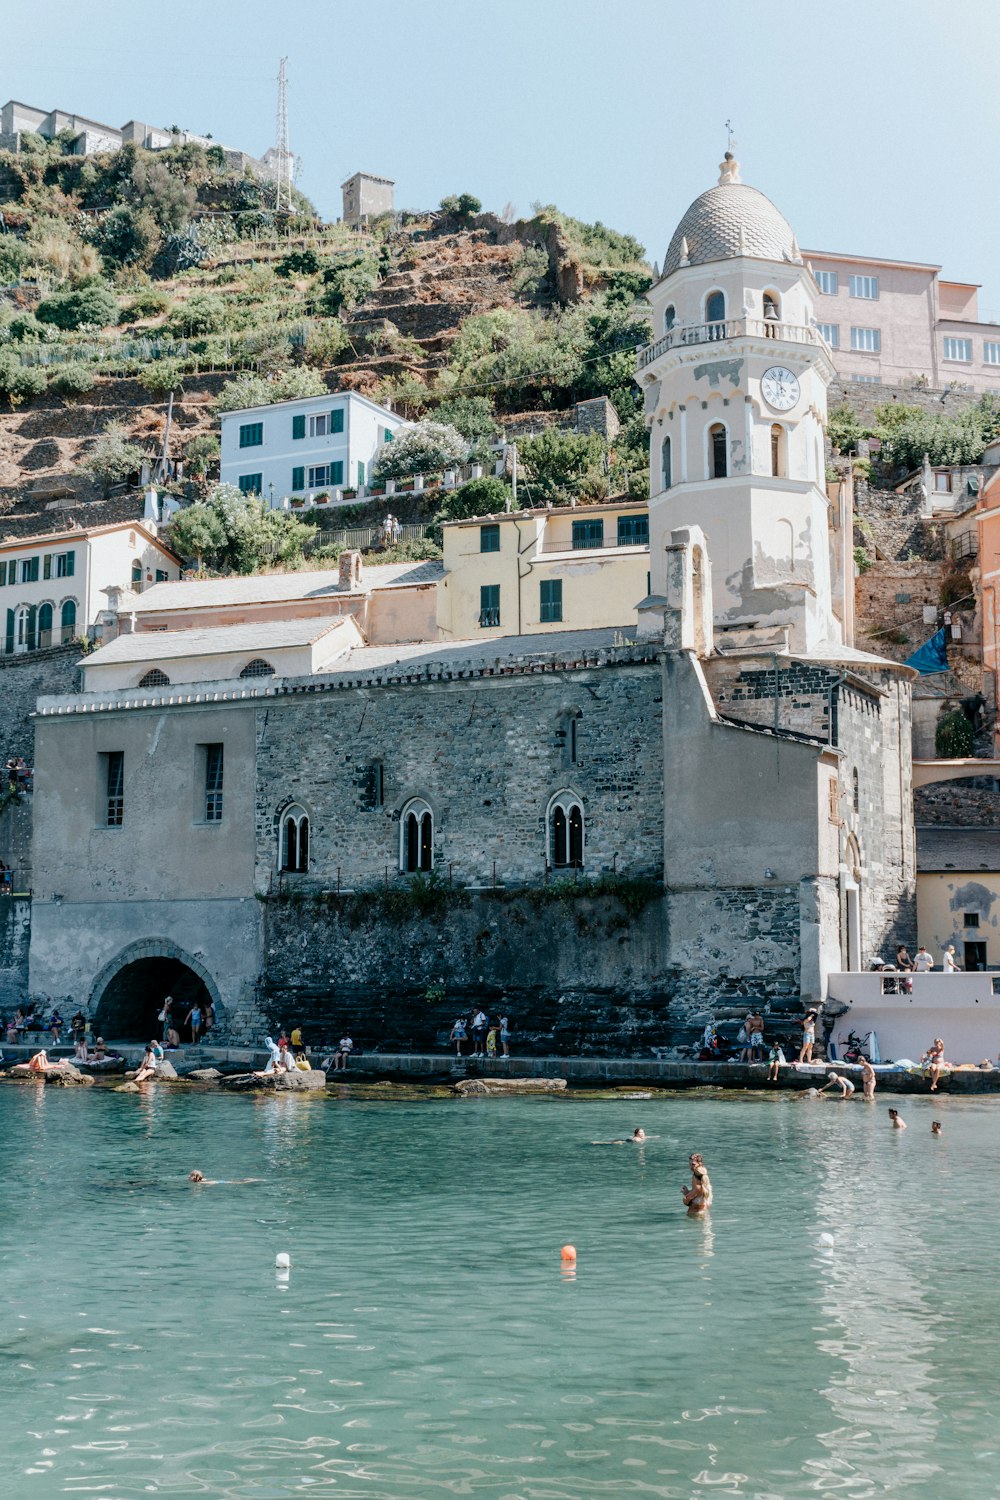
{"points": [[697, 1197]]}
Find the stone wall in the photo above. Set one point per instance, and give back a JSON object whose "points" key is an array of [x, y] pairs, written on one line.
{"points": [[864, 398], [15, 838], [486, 754], [889, 603], [23, 679], [960, 804], [15, 935], [793, 696]]}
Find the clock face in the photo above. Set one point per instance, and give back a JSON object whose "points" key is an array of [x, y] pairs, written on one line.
{"points": [[780, 388]]}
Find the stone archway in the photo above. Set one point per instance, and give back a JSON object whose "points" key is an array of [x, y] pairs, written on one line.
{"points": [[129, 991]]}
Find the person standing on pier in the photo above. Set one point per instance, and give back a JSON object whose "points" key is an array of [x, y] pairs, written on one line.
{"points": [[808, 1036], [458, 1035]]}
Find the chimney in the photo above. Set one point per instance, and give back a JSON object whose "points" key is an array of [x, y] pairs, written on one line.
{"points": [[351, 571]]}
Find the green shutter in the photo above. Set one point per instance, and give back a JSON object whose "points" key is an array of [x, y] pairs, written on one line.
{"points": [[361, 475], [32, 627], [298, 477], [337, 472], [337, 420], [32, 570], [47, 565], [3, 572], [70, 564], [387, 434], [299, 429], [10, 632]]}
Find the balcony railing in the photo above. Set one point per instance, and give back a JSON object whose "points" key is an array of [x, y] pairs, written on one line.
{"points": [[607, 544], [688, 334]]}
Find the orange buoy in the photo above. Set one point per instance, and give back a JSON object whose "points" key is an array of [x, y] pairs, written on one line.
{"points": [[569, 1252]]}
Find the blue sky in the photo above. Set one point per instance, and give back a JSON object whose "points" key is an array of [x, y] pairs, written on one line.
{"points": [[873, 124]]}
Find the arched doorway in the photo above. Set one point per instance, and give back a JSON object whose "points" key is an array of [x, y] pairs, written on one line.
{"points": [[128, 994]]}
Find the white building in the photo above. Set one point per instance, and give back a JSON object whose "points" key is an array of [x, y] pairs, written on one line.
{"points": [[314, 445], [52, 587]]}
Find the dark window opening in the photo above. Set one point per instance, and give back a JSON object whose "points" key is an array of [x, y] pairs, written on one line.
{"points": [[418, 840], [295, 842], [213, 783], [155, 678], [971, 919], [489, 538], [719, 455], [567, 834], [975, 957], [587, 534], [489, 605], [115, 788], [633, 531], [258, 668]]}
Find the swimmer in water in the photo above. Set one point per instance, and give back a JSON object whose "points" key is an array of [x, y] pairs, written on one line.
{"points": [[935, 1127], [697, 1197], [638, 1134], [203, 1181], [897, 1122], [637, 1138]]}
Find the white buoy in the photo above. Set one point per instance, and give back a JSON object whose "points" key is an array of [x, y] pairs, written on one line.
{"points": [[282, 1261], [827, 1239]]}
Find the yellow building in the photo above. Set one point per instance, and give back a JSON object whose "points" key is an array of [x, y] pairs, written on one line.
{"points": [[958, 894], [538, 571]]}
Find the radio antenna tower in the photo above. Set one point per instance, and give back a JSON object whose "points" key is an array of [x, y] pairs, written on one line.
{"points": [[283, 164]]}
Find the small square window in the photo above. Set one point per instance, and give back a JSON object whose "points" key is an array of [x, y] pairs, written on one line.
{"points": [[319, 425], [489, 538], [972, 919], [866, 340], [250, 484], [865, 287], [251, 434]]}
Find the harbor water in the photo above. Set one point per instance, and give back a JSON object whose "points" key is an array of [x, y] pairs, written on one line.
{"points": [[829, 1328]]}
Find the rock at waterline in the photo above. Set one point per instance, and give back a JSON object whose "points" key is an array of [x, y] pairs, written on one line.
{"points": [[203, 1075], [125, 1088], [62, 1073], [278, 1083], [509, 1086]]}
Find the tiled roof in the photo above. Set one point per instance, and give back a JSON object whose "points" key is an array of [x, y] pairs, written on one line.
{"points": [[265, 588], [262, 636], [729, 220], [941, 848]]}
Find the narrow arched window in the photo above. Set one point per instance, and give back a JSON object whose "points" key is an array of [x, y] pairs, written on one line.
{"points": [[67, 620], [772, 314], [717, 456], [565, 825], [154, 678], [258, 668], [778, 451], [715, 315], [666, 467], [294, 841], [416, 844], [137, 577], [857, 791], [669, 318], [45, 625]]}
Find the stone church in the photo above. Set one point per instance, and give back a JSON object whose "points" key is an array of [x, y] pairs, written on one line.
{"points": [[612, 835]]}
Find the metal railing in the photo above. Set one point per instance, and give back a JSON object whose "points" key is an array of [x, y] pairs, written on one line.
{"points": [[362, 538], [687, 334], [608, 543]]}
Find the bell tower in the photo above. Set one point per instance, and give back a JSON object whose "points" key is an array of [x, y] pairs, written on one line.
{"points": [[734, 389]]}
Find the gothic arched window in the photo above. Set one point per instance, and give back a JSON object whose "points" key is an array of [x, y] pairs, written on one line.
{"points": [[666, 467], [416, 837], [294, 841], [669, 318], [718, 458], [565, 829]]}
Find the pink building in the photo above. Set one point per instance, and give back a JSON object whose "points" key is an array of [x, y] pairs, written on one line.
{"points": [[889, 322]]}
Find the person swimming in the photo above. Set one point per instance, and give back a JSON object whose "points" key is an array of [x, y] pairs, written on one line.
{"points": [[898, 1123], [935, 1127]]}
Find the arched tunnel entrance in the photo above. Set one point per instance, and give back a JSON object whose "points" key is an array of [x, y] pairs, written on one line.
{"points": [[126, 1003]]}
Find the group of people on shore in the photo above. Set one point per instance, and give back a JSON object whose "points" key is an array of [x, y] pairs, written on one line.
{"points": [[198, 1021], [486, 1035]]}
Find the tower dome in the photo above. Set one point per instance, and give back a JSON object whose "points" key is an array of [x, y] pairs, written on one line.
{"points": [[728, 220]]}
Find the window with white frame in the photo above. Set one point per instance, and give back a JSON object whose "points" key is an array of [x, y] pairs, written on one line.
{"points": [[867, 379], [827, 282], [865, 287], [991, 353], [293, 841], [959, 349], [831, 332], [565, 831], [319, 425], [866, 340], [416, 837]]}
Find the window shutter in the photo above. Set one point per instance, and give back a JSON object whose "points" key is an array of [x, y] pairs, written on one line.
{"points": [[337, 420], [9, 646], [32, 631], [361, 475], [47, 565], [70, 564], [337, 472], [3, 572], [299, 429], [299, 475]]}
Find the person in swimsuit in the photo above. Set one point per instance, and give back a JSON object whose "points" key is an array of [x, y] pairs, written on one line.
{"points": [[837, 1079], [808, 1036], [934, 1058], [40, 1063], [147, 1068], [897, 1122], [935, 1127], [867, 1079], [697, 1197], [638, 1134]]}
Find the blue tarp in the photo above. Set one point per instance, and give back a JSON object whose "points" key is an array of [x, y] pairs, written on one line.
{"points": [[931, 656]]}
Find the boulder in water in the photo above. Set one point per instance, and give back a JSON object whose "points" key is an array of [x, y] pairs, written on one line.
{"points": [[203, 1075], [126, 1088], [509, 1086]]}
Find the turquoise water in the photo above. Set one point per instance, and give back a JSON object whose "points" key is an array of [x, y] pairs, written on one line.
{"points": [[428, 1342]]}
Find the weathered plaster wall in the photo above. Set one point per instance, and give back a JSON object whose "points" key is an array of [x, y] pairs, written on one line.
{"points": [[22, 680], [15, 937], [945, 899], [15, 840]]}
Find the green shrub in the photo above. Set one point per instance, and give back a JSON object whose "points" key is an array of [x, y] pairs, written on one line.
{"points": [[862, 559], [843, 427], [113, 457], [563, 464], [200, 453], [298, 263], [472, 416], [13, 258], [953, 737], [461, 205], [147, 304], [477, 497], [18, 381], [126, 236], [256, 390], [89, 306], [201, 313], [162, 376], [74, 380]]}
